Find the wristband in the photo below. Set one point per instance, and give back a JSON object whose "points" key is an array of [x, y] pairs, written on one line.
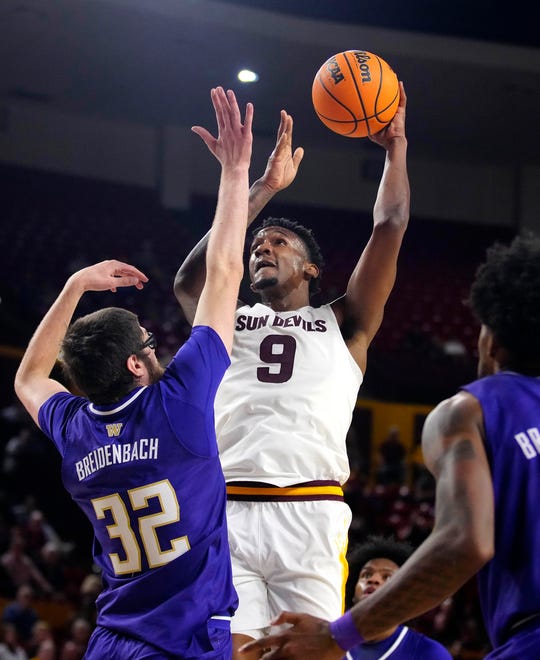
{"points": [[344, 632]]}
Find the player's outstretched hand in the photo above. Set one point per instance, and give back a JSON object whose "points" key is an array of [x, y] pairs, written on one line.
{"points": [[309, 637], [232, 147], [108, 275], [396, 128], [283, 163]]}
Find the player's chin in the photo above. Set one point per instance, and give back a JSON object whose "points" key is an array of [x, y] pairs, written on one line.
{"points": [[265, 283]]}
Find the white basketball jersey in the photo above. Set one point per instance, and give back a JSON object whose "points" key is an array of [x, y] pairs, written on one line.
{"points": [[285, 404]]}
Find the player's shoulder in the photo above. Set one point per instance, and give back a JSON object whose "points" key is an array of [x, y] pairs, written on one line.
{"points": [[461, 405], [66, 402], [427, 648]]}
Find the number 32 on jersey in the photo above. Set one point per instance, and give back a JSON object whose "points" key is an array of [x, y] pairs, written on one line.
{"points": [[122, 527]]}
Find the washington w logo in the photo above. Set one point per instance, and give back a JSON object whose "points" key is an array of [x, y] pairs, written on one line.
{"points": [[113, 430]]}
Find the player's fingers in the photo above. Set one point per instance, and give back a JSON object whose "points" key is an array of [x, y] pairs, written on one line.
{"points": [[260, 644], [248, 120], [234, 110], [221, 106], [274, 654], [297, 156], [205, 136], [402, 95], [282, 124], [124, 280], [128, 270], [290, 124], [281, 144], [287, 617], [229, 112]]}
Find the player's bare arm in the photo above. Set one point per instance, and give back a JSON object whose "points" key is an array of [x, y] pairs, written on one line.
{"points": [[32, 382], [224, 256], [360, 311], [461, 542], [280, 172]]}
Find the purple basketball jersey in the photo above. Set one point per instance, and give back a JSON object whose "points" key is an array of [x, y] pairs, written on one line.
{"points": [[146, 473], [403, 644], [509, 584]]}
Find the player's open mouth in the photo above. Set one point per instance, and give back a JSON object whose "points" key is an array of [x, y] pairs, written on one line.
{"points": [[264, 264]]}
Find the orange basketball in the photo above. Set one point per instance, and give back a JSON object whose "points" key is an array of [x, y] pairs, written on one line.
{"points": [[355, 93]]}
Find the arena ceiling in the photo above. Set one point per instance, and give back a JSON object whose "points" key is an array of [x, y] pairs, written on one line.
{"points": [[472, 78]]}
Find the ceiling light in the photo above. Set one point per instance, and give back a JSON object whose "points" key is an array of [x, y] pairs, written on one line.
{"points": [[247, 76]]}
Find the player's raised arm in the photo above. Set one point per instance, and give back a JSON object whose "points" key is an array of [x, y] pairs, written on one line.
{"points": [[374, 275], [33, 384], [224, 255], [280, 172]]}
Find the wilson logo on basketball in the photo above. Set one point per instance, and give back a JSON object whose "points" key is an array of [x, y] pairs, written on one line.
{"points": [[363, 58]]}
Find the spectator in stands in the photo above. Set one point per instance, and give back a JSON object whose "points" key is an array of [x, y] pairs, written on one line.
{"points": [[45, 651], [21, 614], [42, 639], [90, 589], [10, 647], [70, 651], [75, 645], [52, 568], [37, 531], [20, 568], [392, 452]]}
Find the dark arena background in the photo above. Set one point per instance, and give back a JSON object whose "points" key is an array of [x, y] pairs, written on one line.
{"points": [[97, 161]]}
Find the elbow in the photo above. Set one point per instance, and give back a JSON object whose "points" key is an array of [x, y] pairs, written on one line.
{"points": [[184, 289], [481, 535], [394, 220], [20, 385], [483, 550], [179, 286], [178, 290], [19, 382], [473, 547], [466, 545]]}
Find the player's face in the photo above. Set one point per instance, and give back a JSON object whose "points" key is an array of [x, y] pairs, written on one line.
{"points": [[486, 363], [154, 371], [372, 576], [277, 258]]}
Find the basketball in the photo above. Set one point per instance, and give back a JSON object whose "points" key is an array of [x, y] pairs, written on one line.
{"points": [[355, 93]]}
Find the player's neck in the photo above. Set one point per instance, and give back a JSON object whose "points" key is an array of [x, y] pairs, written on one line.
{"points": [[286, 303], [385, 635]]}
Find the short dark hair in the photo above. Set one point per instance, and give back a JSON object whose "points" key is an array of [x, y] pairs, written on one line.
{"points": [[308, 239], [374, 547], [505, 296], [95, 350]]}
